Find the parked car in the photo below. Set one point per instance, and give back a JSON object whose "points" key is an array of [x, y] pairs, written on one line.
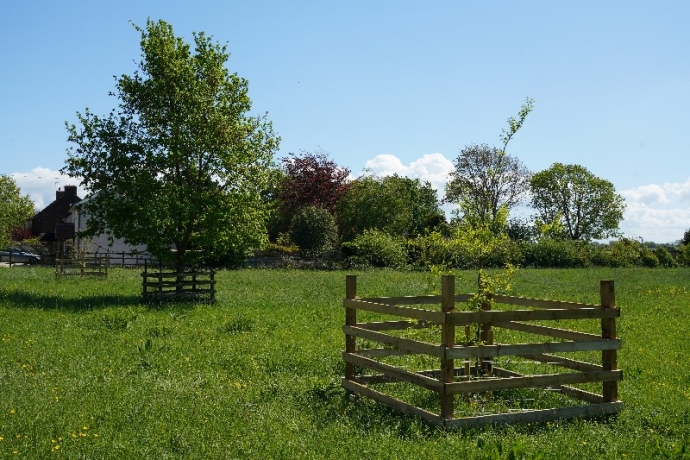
{"points": [[15, 255]]}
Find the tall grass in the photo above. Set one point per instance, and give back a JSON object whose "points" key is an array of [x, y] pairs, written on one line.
{"points": [[87, 370]]}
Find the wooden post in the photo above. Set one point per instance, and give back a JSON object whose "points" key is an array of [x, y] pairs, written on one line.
{"points": [[213, 285], [485, 334], [609, 358], [448, 341], [350, 320], [468, 340]]}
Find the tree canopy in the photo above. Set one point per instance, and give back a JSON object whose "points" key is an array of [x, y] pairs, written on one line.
{"points": [[581, 205], [396, 205], [305, 180], [179, 164], [486, 182], [15, 209]]}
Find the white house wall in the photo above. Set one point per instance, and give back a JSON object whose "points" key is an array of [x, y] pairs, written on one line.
{"points": [[100, 243]]}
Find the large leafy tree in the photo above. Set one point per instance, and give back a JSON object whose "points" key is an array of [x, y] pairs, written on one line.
{"points": [[15, 209], [486, 182], [179, 164], [581, 205], [396, 205]]}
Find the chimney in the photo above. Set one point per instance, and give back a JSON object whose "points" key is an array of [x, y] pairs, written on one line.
{"points": [[70, 190]]}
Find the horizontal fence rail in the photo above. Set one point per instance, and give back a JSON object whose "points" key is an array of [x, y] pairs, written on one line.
{"points": [[82, 266], [478, 371]]}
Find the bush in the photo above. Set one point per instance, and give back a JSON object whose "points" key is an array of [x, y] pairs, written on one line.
{"points": [[313, 229], [375, 248], [683, 257], [664, 257], [557, 253], [468, 248], [625, 253]]}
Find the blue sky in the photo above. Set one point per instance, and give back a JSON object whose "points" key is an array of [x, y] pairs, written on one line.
{"points": [[389, 86]]}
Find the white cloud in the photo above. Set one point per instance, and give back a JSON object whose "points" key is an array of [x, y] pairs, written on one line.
{"points": [[432, 167], [657, 212], [42, 183], [648, 194]]}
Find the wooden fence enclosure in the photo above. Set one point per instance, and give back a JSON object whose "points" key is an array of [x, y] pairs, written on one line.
{"points": [[170, 285], [472, 364], [97, 265]]}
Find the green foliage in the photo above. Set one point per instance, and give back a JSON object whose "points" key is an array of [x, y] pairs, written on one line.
{"points": [[683, 257], [313, 229], [521, 230], [585, 206], [15, 209], [686, 237], [486, 181], [396, 205], [491, 284], [664, 257], [375, 248], [628, 253], [469, 247], [514, 124], [179, 163], [556, 253]]}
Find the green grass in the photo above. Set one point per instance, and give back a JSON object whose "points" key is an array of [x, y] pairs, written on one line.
{"points": [[88, 367]]}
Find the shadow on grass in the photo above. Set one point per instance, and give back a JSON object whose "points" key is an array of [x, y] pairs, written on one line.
{"points": [[22, 300]]}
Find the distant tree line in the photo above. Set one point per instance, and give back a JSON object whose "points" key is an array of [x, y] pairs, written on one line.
{"points": [[181, 167]]}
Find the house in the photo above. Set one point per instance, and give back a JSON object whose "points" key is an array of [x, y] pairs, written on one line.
{"points": [[44, 222], [76, 218]]}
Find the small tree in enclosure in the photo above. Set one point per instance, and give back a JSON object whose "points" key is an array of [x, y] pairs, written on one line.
{"points": [[15, 209], [179, 164], [584, 206]]}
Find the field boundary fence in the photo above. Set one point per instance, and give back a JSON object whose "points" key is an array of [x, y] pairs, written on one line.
{"points": [[192, 283], [468, 364], [95, 265]]}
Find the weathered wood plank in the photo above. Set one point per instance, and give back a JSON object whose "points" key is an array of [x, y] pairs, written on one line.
{"points": [[609, 358], [436, 317], [159, 275], [392, 402], [383, 352], [572, 392], [488, 351], [532, 381], [564, 362], [392, 371], [398, 342], [394, 325], [415, 300], [547, 331], [350, 320], [540, 303], [463, 318], [590, 410]]}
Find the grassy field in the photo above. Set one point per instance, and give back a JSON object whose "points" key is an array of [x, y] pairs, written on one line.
{"points": [[89, 371]]}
